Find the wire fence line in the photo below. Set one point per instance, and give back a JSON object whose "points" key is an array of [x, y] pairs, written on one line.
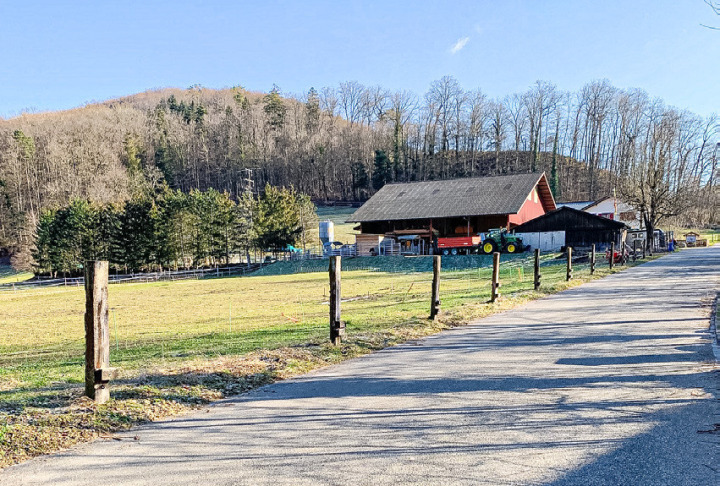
{"points": [[235, 316], [145, 277]]}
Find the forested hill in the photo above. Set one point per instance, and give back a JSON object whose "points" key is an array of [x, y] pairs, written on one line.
{"points": [[343, 143]]}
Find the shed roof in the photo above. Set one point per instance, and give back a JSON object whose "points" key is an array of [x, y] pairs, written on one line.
{"points": [[575, 204], [567, 218], [454, 198]]}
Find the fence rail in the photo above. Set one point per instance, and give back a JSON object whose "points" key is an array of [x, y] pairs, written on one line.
{"points": [[169, 275], [236, 317]]}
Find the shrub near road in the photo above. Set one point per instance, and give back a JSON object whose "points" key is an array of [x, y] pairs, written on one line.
{"points": [[181, 344]]}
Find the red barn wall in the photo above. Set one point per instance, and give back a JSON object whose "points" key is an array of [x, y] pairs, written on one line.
{"points": [[531, 209]]}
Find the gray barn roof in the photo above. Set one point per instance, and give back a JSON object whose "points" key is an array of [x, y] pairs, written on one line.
{"points": [[453, 198]]}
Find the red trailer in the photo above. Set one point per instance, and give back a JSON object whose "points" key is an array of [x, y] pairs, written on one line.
{"points": [[452, 245]]}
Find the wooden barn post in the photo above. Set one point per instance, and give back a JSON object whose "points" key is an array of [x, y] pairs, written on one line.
{"points": [[592, 259], [494, 293], [536, 269], [435, 298], [97, 332], [337, 327], [612, 255], [569, 272]]}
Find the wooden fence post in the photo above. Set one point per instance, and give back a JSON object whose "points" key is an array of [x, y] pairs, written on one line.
{"points": [[635, 250], [612, 255], [337, 327], [494, 294], [569, 272], [536, 269], [97, 332], [643, 254], [592, 260], [435, 298]]}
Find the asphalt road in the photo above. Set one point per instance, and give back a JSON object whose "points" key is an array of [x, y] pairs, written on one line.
{"points": [[613, 382]]}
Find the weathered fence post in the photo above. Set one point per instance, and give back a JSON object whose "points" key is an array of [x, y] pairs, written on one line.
{"points": [[643, 255], [97, 332], [569, 272], [494, 294], [635, 250], [337, 327], [592, 260], [435, 299], [536, 269], [612, 255]]}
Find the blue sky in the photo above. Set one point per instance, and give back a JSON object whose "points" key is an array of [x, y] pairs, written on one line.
{"points": [[61, 54]]}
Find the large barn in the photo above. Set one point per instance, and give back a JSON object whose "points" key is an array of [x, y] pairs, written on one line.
{"points": [[420, 211]]}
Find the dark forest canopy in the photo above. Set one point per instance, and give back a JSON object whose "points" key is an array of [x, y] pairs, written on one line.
{"points": [[342, 143]]}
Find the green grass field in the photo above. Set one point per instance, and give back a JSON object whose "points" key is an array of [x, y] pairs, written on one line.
{"points": [[41, 330], [9, 275], [178, 344]]}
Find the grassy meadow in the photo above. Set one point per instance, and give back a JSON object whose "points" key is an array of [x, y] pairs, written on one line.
{"points": [[183, 343], [8, 275], [344, 232]]}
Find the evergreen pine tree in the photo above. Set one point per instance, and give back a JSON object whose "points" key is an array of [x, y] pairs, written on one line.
{"points": [[360, 179], [312, 111], [44, 243], [382, 173], [275, 108], [277, 220]]}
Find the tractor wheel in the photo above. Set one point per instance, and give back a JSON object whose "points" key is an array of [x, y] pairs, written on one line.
{"points": [[488, 247], [454, 251], [511, 248], [446, 252]]}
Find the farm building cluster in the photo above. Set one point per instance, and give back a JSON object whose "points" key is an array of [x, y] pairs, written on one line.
{"points": [[509, 213]]}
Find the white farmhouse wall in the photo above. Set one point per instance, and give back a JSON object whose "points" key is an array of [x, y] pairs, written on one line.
{"points": [[606, 207], [545, 241]]}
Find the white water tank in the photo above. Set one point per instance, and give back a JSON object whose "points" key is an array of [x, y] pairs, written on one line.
{"points": [[327, 231]]}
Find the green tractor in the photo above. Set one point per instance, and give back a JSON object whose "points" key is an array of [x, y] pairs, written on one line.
{"points": [[498, 239]]}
